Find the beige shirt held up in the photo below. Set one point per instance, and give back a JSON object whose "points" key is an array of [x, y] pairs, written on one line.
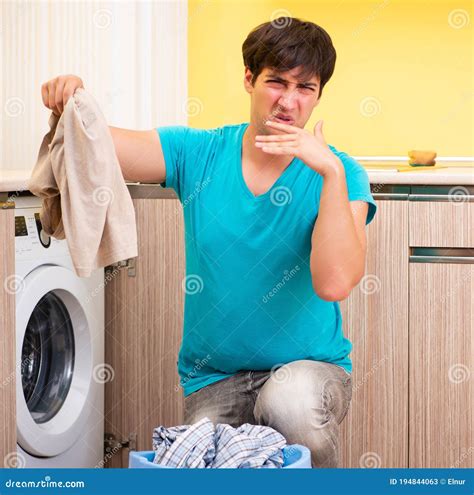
{"points": [[84, 196]]}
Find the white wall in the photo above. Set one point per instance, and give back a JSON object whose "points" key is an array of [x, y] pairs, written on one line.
{"points": [[132, 56]]}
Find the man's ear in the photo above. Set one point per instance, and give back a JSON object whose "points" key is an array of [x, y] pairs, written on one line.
{"points": [[248, 80]]}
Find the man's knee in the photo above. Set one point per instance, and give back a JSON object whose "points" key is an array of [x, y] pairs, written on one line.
{"points": [[305, 401], [304, 390]]}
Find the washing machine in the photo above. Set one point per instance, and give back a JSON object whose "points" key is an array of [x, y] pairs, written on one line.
{"points": [[59, 350]]}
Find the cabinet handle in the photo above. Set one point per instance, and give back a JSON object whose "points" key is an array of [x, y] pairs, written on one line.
{"points": [[465, 198], [454, 194], [441, 255], [434, 193], [391, 196]]}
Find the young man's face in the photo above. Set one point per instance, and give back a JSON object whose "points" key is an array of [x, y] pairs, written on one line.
{"points": [[281, 97]]}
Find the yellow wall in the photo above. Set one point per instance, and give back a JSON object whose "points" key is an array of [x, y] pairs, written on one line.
{"points": [[413, 57]]}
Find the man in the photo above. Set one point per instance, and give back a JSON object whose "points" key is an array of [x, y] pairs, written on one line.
{"points": [[275, 237]]}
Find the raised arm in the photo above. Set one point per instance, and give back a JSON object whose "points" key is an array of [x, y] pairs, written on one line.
{"points": [[139, 152]]}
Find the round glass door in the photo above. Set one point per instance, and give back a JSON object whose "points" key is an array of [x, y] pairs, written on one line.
{"points": [[47, 358]]}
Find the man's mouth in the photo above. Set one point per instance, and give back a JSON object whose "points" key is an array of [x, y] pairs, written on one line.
{"points": [[283, 119]]}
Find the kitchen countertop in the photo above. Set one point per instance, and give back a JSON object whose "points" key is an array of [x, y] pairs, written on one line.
{"points": [[453, 174], [448, 173], [14, 180]]}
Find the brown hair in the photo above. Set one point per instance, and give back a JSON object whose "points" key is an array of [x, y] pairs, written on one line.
{"points": [[286, 43]]}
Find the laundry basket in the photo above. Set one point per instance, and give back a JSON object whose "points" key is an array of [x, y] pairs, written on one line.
{"points": [[294, 456]]}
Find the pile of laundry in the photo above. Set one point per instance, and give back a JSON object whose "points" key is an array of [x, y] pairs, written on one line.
{"points": [[203, 445]]}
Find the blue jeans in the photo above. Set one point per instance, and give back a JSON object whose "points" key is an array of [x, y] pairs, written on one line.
{"points": [[304, 400]]}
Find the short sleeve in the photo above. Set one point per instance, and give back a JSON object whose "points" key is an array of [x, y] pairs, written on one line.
{"points": [[358, 185], [186, 153], [173, 143]]}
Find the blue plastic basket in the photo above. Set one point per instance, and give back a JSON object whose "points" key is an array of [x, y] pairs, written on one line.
{"points": [[294, 457]]}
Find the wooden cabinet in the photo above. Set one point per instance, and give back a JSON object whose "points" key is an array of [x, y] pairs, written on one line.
{"points": [[411, 324], [441, 335], [441, 347], [441, 223], [144, 312], [375, 319], [7, 337]]}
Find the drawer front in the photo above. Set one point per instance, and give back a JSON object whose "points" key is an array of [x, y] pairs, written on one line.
{"points": [[441, 224]]}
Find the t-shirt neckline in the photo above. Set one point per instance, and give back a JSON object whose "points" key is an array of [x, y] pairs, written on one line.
{"points": [[240, 175]]}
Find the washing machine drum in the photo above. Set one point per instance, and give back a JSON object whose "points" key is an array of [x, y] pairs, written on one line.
{"points": [[47, 358], [55, 386]]}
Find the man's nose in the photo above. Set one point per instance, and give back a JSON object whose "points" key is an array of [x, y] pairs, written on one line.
{"points": [[288, 100]]}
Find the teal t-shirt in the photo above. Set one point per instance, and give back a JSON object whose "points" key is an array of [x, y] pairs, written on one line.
{"points": [[250, 302]]}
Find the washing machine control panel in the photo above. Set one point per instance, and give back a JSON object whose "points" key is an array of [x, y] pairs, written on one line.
{"points": [[30, 238]]}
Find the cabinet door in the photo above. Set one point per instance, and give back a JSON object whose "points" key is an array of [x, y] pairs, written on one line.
{"points": [[375, 319], [7, 339], [143, 331], [441, 339]]}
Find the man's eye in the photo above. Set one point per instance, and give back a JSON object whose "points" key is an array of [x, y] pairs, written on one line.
{"points": [[303, 89]]}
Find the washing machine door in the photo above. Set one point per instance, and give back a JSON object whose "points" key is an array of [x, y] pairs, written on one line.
{"points": [[54, 355]]}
